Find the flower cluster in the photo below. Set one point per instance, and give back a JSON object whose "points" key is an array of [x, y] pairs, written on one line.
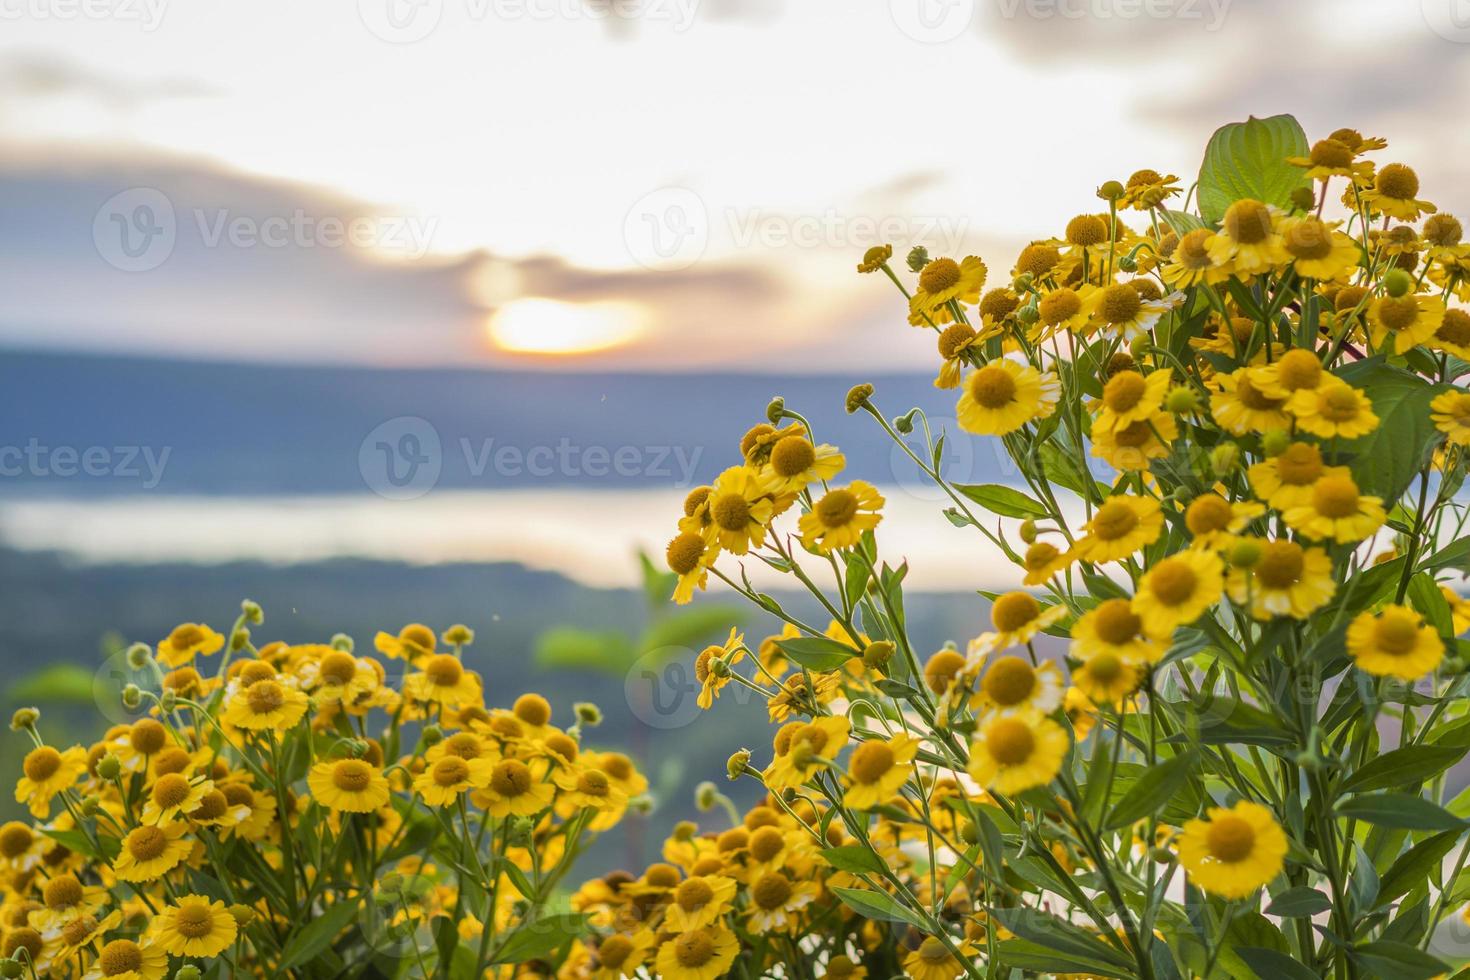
{"points": [[1231, 663], [298, 810]]}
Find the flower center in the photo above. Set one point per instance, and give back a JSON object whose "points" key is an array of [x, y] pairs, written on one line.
{"points": [[1397, 181], [1010, 681], [237, 795], [1248, 222], [954, 338], [1133, 435], [939, 275], [212, 806], [684, 553], [1105, 667], [1281, 564], [840, 968], [812, 736], [1058, 305], [75, 932], [1208, 514], [463, 745], [1339, 405], [41, 764], [444, 670], [1173, 581], [593, 783], [1454, 328], [1299, 369], [15, 839], [120, 956], [999, 304], [170, 791], [193, 921], [694, 949], [62, 892], [1253, 398], [1120, 303], [617, 765], [1330, 153], [352, 775], [146, 843], [614, 951], [1037, 260], [771, 891], [766, 843], [255, 671], [695, 500], [510, 778], [871, 761], [792, 455], [1116, 622], [1009, 741], [1193, 251], [1014, 610], [1300, 465], [147, 736], [694, 894], [264, 697], [1309, 239], [1335, 497], [1086, 230], [730, 511], [339, 667], [662, 875], [1113, 520], [1398, 312], [1395, 635], [1230, 838], [451, 771], [419, 636], [837, 508], [992, 387], [1040, 554], [185, 636], [1124, 391]]}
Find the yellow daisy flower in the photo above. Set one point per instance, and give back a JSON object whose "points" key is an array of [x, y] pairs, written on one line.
{"points": [[1004, 395], [776, 900], [1112, 627], [66, 900], [699, 901], [699, 954], [839, 518], [1130, 447], [443, 782], [1014, 753], [1317, 249], [150, 852], [123, 959], [794, 462], [1178, 590], [266, 705], [943, 280], [1287, 480], [809, 748], [1233, 852], [877, 769], [1130, 397], [1062, 309], [413, 643], [80, 934], [1409, 320], [621, 955], [1215, 521], [1121, 309], [172, 796], [933, 960], [515, 789], [1294, 374], [1121, 526], [1107, 678], [1336, 510], [1288, 580], [1393, 193], [1013, 684], [1192, 263], [1459, 616], [348, 786], [443, 681], [187, 641], [1248, 240], [689, 557], [194, 926], [1042, 561], [1453, 334], [739, 510], [1240, 407], [1017, 618], [45, 772], [1331, 158], [712, 679], [1080, 712], [1148, 189], [1394, 643], [1451, 414], [1335, 410]]}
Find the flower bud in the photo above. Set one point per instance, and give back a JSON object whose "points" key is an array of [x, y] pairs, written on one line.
{"points": [[521, 830], [253, 613], [1028, 314], [459, 635], [187, 972], [1274, 442], [705, 796], [1022, 283], [391, 882], [587, 714], [109, 766], [139, 656], [91, 803], [1302, 198], [1181, 401], [857, 397], [243, 914], [1028, 531], [1140, 346], [12, 968], [432, 735], [24, 718], [239, 639], [131, 697], [1224, 458], [1111, 191], [736, 765], [877, 654], [343, 642], [776, 410], [918, 258], [1398, 283], [642, 804], [1128, 263], [168, 700], [719, 667], [905, 422], [1162, 855], [685, 830], [969, 833], [1245, 553]]}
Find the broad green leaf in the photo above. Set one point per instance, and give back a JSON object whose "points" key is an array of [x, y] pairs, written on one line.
{"points": [[531, 940], [854, 858], [1002, 500], [878, 905], [1386, 460], [1403, 767], [817, 652], [1271, 965], [1023, 954], [1399, 810], [1248, 160], [1060, 936], [1299, 902], [1456, 554], [317, 934], [1415, 864], [1397, 961], [1424, 596], [1151, 791]]}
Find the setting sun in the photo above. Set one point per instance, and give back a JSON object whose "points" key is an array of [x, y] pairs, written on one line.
{"points": [[546, 326]]}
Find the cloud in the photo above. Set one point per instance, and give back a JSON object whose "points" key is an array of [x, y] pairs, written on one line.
{"points": [[28, 76]]}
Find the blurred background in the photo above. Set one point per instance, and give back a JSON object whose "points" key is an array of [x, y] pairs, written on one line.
{"points": [[380, 311]]}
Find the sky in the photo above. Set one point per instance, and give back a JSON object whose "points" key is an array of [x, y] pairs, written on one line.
{"points": [[626, 184]]}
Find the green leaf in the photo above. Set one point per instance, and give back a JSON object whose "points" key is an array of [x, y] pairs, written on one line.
{"points": [[1456, 554], [532, 940], [1299, 902], [1386, 460], [817, 652], [1415, 864], [1151, 791], [854, 858], [878, 905], [1400, 811], [1023, 954], [568, 648], [1268, 964], [317, 935], [692, 627], [1403, 767], [1424, 596], [1060, 936], [1249, 160], [1397, 961], [1002, 500], [61, 683]]}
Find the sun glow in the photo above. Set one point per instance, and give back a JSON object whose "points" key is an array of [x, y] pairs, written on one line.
{"points": [[548, 326]]}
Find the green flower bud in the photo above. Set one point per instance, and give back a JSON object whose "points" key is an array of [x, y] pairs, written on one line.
{"points": [[1028, 531], [91, 803], [187, 972], [244, 914], [685, 830], [1128, 263], [1302, 198], [1224, 458], [706, 796], [24, 719], [776, 410], [918, 258], [1181, 401], [109, 766], [1140, 346], [12, 968], [343, 642], [253, 613], [432, 735], [139, 656], [1398, 283], [1274, 442], [168, 700], [521, 831], [1162, 855], [1028, 314], [969, 833], [905, 422], [858, 396], [1023, 282], [1245, 553], [642, 804], [459, 635], [736, 765], [1111, 191], [131, 697], [240, 639], [587, 714], [877, 654], [391, 882]]}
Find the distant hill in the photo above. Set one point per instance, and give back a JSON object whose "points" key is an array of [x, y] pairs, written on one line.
{"points": [[275, 429]]}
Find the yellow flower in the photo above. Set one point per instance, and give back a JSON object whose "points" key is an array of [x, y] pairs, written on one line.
{"points": [[173, 795], [808, 749], [1453, 334], [1317, 249], [775, 899], [1409, 320], [933, 960], [266, 705], [80, 934], [1393, 193], [1121, 309], [1215, 521], [875, 258], [1459, 615], [515, 789], [1336, 510], [414, 642], [21, 849], [1013, 753], [1451, 415], [1233, 852], [1062, 309], [941, 281], [1287, 480], [700, 954], [1017, 618], [840, 517], [1130, 447], [1118, 528], [1288, 580], [194, 926], [442, 782], [1240, 407], [1178, 590], [1334, 410], [1130, 397], [1081, 712], [443, 681], [1147, 189], [794, 462], [877, 769], [738, 509], [689, 558], [1296, 372], [621, 954], [699, 901], [1331, 158], [1192, 262], [45, 772], [66, 900], [1106, 678], [1248, 240], [1004, 395], [1113, 627], [1394, 643], [187, 641], [150, 852], [123, 959], [712, 679], [1042, 561], [348, 786]]}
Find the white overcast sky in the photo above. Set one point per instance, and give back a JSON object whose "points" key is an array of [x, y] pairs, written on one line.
{"points": [[711, 170]]}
